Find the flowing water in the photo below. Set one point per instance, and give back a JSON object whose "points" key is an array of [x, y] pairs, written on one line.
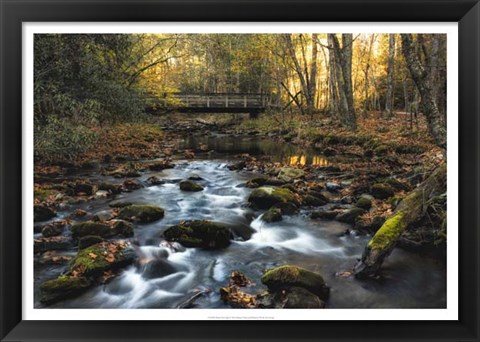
{"points": [[409, 280]]}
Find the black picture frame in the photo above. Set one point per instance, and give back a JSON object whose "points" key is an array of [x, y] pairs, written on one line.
{"points": [[14, 12]]}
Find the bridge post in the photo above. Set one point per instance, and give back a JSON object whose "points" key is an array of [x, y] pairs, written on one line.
{"points": [[208, 101], [244, 101], [226, 101]]}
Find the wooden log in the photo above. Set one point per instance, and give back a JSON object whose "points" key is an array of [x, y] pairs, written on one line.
{"points": [[410, 210]]}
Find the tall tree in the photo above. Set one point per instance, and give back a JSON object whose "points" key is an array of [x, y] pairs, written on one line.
{"points": [[389, 101], [419, 75], [343, 62], [306, 76]]}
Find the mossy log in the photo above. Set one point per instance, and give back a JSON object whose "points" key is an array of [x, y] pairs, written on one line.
{"points": [[410, 210]]}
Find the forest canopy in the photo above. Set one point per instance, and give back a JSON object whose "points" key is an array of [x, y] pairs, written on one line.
{"points": [[90, 79]]}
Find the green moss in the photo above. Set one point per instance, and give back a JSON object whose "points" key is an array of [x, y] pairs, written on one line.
{"points": [[266, 197], [93, 260], [388, 233], [190, 186], [62, 287], [287, 276], [141, 213], [200, 233], [63, 282], [90, 228], [272, 215], [43, 194], [364, 203]]}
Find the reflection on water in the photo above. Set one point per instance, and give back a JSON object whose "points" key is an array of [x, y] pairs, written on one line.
{"points": [[302, 160], [256, 146]]}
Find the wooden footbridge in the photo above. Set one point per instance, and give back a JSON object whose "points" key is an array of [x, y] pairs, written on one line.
{"points": [[212, 102]]}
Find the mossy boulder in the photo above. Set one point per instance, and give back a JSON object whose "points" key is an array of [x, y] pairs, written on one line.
{"points": [[62, 287], [288, 174], [382, 190], [266, 197], [272, 215], [312, 201], [121, 228], [141, 213], [350, 215], [200, 233], [287, 276], [89, 240], [42, 213], [364, 203], [188, 185], [105, 256], [90, 228]]}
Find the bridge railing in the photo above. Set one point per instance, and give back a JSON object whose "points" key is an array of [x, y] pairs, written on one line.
{"points": [[213, 100]]}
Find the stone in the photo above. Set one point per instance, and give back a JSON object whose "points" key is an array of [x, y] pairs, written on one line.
{"points": [[287, 276], [333, 187], [83, 188], [350, 215], [113, 189], [103, 215], [52, 243], [93, 261], [119, 204], [188, 185], [272, 215], [131, 184], [200, 233], [90, 228], [54, 228], [141, 213], [89, 240], [288, 174], [157, 269], [300, 298], [312, 201], [324, 214], [42, 213], [382, 191], [121, 228], [62, 287], [266, 197], [364, 203]]}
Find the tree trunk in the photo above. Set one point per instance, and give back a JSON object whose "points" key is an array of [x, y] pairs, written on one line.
{"points": [[410, 210], [390, 70], [419, 75], [343, 63], [312, 82]]}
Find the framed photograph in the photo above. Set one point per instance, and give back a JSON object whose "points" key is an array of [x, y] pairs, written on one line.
{"points": [[239, 171]]}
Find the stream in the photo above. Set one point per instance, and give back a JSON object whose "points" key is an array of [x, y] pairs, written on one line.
{"points": [[409, 280]]}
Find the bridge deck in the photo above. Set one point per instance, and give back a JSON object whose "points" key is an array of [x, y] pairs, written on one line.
{"points": [[214, 102]]}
